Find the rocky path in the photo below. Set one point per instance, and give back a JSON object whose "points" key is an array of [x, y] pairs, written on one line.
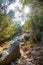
{"points": [[31, 54]]}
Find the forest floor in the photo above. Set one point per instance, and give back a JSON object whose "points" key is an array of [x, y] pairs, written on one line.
{"points": [[31, 54]]}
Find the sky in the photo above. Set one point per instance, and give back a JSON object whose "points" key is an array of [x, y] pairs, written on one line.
{"points": [[20, 13]]}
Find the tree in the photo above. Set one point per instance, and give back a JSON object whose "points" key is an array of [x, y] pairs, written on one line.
{"points": [[36, 22], [26, 25], [19, 28], [6, 30]]}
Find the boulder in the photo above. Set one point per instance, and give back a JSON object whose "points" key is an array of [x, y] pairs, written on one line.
{"points": [[26, 37], [9, 53]]}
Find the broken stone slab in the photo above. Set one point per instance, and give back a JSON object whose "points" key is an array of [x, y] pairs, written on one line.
{"points": [[9, 53]]}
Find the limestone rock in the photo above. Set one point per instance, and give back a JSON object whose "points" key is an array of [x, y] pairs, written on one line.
{"points": [[9, 53]]}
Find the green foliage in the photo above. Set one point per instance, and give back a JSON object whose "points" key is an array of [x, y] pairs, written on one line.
{"points": [[27, 1], [40, 0], [6, 30], [36, 21], [4, 22], [26, 25], [19, 29], [30, 2]]}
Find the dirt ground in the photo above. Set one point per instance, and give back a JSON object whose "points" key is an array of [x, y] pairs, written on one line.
{"points": [[31, 54]]}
